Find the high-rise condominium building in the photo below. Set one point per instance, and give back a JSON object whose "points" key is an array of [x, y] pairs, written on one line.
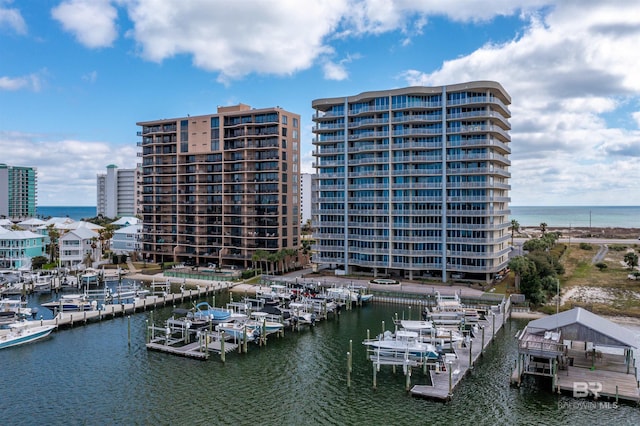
{"points": [[116, 192], [18, 192], [414, 182], [218, 188]]}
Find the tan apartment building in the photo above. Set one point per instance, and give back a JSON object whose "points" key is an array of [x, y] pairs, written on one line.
{"points": [[414, 182], [218, 188]]}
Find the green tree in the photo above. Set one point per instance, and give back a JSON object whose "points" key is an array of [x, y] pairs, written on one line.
{"points": [[261, 256], [631, 259], [38, 262], [515, 227], [521, 266], [543, 227], [54, 236]]}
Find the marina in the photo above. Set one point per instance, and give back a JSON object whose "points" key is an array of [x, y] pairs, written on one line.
{"points": [[308, 366]]}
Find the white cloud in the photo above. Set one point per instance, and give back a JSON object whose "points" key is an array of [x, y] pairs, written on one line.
{"points": [[90, 77], [31, 82], [334, 71], [92, 22], [12, 18], [60, 161], [563, 73], [254, 36], [636, 117], [236, 38]]}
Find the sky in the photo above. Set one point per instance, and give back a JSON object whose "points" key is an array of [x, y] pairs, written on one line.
{"points": [[76, 76]]}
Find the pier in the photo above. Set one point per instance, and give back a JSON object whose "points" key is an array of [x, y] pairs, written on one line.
{"points": [[443, 383], [109, 311]]}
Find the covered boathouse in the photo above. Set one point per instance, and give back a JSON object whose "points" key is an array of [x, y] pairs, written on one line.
{"points": [[583, 354]]}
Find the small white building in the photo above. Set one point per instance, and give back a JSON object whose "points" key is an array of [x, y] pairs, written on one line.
{"points": [[75, 244]]}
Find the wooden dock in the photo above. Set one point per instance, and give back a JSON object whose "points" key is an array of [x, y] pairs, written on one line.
{"points": [[196, 350], [443, 383], [606, 384], [109, 311]]}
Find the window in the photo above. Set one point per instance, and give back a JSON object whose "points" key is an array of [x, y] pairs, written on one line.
{"points": [[295, 123], [284, 119], [284, 131]]}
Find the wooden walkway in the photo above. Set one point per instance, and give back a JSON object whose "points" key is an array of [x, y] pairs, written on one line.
{"points": [[192, 350], [70, 319], [445, 382]]}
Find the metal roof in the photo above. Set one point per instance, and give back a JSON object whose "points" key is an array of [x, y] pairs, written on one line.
{"points": [[587, 319]]}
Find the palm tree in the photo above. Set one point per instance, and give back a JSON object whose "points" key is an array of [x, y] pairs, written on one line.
{"points": [[261, 256], [515, 227], [106, 234], [543, 227], [54, 235], [88, 259]]}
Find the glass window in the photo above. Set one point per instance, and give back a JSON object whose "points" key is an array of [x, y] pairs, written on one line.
{"points": [[284, 119]]}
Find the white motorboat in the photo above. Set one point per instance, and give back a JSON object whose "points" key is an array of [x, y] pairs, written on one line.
{"points": [[275, 292], [260, 320], [13, 310], [22, 332], [42, 283], [349, 294], [90, 278], [402, 343], [72, 303], [301, 312], [238, 330]]}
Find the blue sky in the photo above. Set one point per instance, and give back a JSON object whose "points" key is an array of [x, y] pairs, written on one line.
{"points": [[76, 75]]}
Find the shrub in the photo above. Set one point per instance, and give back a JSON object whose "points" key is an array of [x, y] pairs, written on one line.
{"points": [[601, 266], [586, 246]]}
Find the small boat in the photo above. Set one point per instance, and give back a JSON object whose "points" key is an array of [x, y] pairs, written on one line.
{"points": [[275, 293], [417, 326], [13, 310], [260, 321], [123, 292], [301, 312], [351, 293], [402, 343], [90, 278], [204, 311], [21, 333], [72, 303], [42, 283], [237, 330]]}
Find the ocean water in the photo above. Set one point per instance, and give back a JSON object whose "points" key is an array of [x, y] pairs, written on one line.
{"points": [[553, 216], [577, 216], [72, 212]]}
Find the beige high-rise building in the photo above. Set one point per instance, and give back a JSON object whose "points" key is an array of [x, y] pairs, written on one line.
{"points": [[218, 188], [414, 182]]}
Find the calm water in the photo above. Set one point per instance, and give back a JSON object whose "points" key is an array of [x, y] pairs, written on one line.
{"points": [[577, 216], [89, 375], [73, 212]]}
